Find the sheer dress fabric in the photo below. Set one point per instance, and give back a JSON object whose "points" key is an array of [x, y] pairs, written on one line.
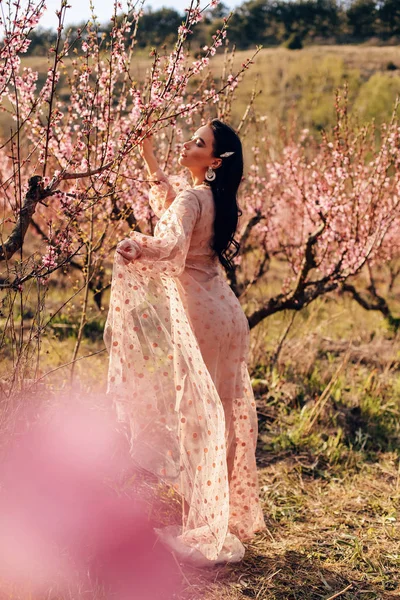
{"points": [[178, 340]]}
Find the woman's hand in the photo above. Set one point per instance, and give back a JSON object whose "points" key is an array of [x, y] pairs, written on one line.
{"points": [[146, 147], [129, 250], [147, 152]]}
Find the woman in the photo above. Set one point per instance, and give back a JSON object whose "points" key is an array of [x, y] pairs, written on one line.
{"points": [[178, 342]]}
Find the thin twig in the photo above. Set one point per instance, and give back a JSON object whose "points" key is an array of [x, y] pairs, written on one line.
{"points": [[324, 397], [341, 592], [181, 571], [274, 359], [69, 363]]}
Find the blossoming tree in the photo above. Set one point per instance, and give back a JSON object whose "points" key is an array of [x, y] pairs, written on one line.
{"points": [[329, 209]]}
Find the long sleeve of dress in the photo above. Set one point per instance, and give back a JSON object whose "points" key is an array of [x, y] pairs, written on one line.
{"points": [[161, 192], [164, 190], [165, 252]]}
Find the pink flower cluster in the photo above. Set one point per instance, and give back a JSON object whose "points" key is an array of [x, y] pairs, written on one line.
{"points": [[49, 260]]}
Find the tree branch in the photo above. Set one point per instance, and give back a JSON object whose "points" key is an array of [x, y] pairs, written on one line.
{"points": [[249, 226], [292, 301], [380, 304], [309, 258], [248, 284], [232, 275], [304, 291], [36, 193]]}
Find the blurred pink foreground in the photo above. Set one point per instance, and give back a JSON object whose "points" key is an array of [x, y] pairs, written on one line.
{"points": [[63, 525]]}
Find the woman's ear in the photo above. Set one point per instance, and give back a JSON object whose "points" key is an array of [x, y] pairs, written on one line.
{"points": [[217, 162]]}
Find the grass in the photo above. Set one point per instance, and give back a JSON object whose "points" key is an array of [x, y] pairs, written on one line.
{"points": [[302, 83], [325, 535]]}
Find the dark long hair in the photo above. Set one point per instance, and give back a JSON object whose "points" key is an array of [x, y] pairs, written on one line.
{"points": [[224, 189]]}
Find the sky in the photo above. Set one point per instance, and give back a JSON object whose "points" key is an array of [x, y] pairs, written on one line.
{"points": [[80, 9]]}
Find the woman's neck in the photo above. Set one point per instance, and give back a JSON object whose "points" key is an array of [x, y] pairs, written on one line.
{"points": [[198, 177]]}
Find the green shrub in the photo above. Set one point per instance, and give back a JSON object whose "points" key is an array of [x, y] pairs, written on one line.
{"points": [[377, 96]]}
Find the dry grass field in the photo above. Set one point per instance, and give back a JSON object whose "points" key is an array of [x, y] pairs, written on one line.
{"points": [[294, 84]]}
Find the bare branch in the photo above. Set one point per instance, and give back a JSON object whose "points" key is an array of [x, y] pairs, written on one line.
{"points": [[304, 291], [380, 304], [249, 227], [68, 364], [65, 176], [394, 273], [309, 258], [250, 105], [38, 274], [261, 270], [282, 302], [36, 193]]}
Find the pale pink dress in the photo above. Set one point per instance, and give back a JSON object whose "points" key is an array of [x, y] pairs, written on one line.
{"points": [[178, 342]]}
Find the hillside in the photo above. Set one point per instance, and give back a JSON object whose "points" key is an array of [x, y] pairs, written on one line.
{"points": [[300, 82]]}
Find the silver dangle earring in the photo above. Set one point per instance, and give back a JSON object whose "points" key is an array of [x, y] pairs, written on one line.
{"points": [[210, 174]]}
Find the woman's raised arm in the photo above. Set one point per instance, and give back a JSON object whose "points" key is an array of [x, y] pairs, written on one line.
{"points": [[162, 193]]}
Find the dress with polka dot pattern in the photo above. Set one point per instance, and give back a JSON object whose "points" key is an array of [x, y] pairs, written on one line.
{"points": [[178, 341]]}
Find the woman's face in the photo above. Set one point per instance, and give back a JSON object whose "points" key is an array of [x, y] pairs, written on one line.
{"points": [[198, 153]]}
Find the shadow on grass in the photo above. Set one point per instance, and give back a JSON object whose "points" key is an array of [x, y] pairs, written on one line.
{"points": [[343, 437], [293, 575]]}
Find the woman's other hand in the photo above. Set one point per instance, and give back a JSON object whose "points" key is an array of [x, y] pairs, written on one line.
{"points": [[129, 250]]}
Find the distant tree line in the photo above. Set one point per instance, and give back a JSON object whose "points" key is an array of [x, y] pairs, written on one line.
{"points": [[273, 22], [267, 22]]}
